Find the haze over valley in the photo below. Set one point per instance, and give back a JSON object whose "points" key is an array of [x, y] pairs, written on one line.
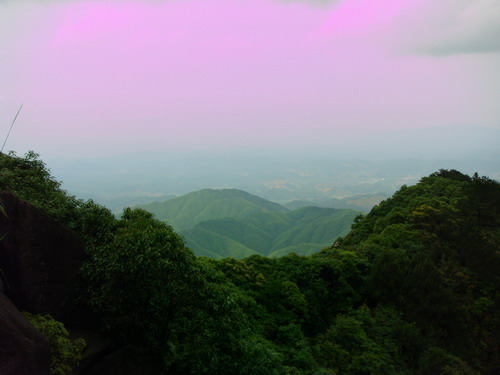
{"points": [[355, 175]]}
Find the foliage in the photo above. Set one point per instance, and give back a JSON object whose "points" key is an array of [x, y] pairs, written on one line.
{"points": [[229, 222], [188, 210], [437, 361], [29, 178], [297, 297], [412, 289], [425, 262], [127, 273], [364, 342], [304, 231], [434, 249], [65, 353], [151, 290]]}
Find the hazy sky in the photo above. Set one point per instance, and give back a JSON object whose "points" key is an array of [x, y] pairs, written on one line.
{"points": [[105, 77]]}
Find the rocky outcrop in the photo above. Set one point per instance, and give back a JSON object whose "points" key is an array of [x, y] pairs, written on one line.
{"points": [[39, 257], [23, 350], [39, 262]]}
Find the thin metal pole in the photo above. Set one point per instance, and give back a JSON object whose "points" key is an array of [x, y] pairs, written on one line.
{"points": [[11, 126]]}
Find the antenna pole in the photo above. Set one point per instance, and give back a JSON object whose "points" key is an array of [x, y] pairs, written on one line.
{"points": [[11, 126]]}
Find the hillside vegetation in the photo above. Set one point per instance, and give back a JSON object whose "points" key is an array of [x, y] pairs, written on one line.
{"points": [[188, 210], [412, 289], [359, 202], [231, 222]]}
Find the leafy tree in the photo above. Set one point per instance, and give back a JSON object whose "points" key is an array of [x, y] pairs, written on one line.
{"points": [[295, 348], [438, 361], [365, 342], [29, 178], [65, 353], [139, 276], [434, 248], [151, 290], [412, 289]]}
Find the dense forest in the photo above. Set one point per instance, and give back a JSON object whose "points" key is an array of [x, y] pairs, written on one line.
{"points": [[233, 223], [411, 289]]}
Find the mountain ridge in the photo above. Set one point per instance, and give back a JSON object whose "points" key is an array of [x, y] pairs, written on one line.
{"points": [[233, 222], [187, 210]]}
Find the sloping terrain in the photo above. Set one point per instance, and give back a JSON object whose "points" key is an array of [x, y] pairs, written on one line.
{"points": [[361, 202], [230, 222], [186, 211]]}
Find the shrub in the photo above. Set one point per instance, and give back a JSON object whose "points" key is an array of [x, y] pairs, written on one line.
{"points": [[65, 353]]}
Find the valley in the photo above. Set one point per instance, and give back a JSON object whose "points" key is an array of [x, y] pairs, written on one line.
{"points": [[234, 223]]}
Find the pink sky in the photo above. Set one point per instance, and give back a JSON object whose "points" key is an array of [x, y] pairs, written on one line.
{"points": [[105, 77]]}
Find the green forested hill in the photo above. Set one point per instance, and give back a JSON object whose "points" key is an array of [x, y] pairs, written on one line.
{"points": [[188, 210], [360, 202], [413, 289], [435, 254], [211, 244], [241, 231], [230, 222], [315, 225]]}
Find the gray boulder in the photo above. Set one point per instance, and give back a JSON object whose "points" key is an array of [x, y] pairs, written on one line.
{"points": [[23, 350], [39, 258]]}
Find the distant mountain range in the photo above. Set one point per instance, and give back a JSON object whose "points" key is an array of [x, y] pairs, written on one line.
{"points": [[362, 202], [234, 223], [352, 165]]}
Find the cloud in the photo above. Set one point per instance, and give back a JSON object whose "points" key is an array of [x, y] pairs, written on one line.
{"points": [[425, 27], [354, 21], [451, 27], [313, 2], [227, 71]]}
